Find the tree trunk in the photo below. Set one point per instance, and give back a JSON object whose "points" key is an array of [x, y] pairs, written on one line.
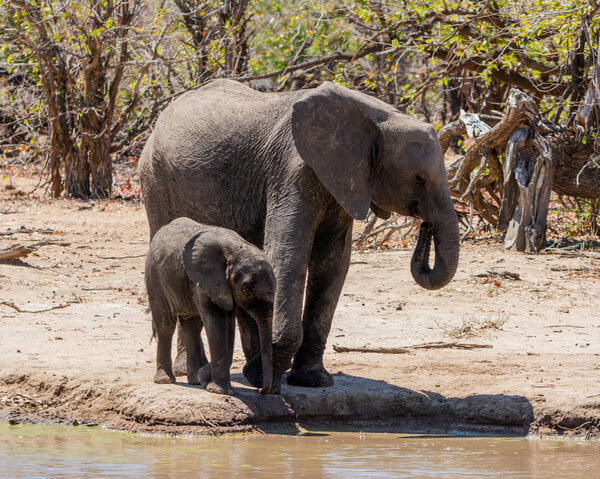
{"points": [[77, 175], [101, 168], [536, 161], [94, 126], [56, 187], [530, 164]]}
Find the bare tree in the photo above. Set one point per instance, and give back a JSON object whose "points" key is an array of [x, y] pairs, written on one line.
{"points": [[217, 26], [82, 51]]}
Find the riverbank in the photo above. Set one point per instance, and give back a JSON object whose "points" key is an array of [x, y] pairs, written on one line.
{"points": [[533, 366]]}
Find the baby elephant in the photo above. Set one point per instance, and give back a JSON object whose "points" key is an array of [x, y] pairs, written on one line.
{"points": [[206, 275]]}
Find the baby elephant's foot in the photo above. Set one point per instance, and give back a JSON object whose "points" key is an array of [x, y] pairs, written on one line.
{"points": [[276, 387], [213, 387], [253, 372], [163, 377], [204, 375]]}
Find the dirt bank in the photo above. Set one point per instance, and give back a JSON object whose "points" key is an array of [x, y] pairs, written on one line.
{"points": [[91, 359]]}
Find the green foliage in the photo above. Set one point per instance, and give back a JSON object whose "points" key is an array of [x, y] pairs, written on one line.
{"points": [[428, 58]]}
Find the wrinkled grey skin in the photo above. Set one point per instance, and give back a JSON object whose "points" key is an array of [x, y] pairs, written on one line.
{"points": [[289, 172], [205, 275]]}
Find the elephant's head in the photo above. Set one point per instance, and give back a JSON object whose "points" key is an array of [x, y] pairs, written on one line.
{"points": [[231, 271], [254, 287], [367, 154]]}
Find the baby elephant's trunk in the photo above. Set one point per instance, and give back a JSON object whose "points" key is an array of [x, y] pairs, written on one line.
{"points": [[265, 332]]}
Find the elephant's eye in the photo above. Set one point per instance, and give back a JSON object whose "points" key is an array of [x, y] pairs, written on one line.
{"points": [[246, 287], [420, 180]]}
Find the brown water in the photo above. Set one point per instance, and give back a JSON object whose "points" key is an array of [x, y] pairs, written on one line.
{"points": [[81, 452]]}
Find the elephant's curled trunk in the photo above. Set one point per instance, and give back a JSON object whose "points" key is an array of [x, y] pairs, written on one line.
{"points": [[265, 332], [446, 239]]}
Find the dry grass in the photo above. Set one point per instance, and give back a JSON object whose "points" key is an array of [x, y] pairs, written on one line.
{"points": [[471, 325]]}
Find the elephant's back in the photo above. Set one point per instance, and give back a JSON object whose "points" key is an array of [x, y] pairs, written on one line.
{"points": [[221, 107], [223, 119], [207, 156], [164, 264]]}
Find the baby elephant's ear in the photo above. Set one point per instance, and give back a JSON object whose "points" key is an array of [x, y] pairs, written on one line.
{"points": [[205, 265]]}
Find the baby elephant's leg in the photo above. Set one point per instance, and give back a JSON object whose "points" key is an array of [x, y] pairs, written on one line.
{"points": [[220, 330], [191, 328], [180, 363], [164, 327]]}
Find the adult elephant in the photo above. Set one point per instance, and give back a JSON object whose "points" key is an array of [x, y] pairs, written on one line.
{"points": [[289, 172]]}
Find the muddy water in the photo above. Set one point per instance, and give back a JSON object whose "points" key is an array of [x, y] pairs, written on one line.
{"points": [[80, 452]]}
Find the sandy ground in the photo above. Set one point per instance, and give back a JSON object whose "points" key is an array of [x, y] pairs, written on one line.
{"points": [[92, 360]]}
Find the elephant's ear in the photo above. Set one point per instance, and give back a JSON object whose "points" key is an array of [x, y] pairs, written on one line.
{"points": [[205, 264], [335, 133]]}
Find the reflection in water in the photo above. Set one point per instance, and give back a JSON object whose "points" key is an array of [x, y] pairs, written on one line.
{"points": [[44, 451]]}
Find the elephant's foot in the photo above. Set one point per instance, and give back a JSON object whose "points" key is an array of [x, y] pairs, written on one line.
{"points": [[253, 372], [254, 375], [204, 375], [163, 377], [315, 377], [193, 378], [180, 364], [213, 387], [276, 387]]}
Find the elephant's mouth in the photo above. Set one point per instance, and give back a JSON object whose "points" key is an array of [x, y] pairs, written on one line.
{"points": [[380, 212]]}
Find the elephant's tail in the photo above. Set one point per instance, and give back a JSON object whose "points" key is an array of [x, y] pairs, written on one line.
{"points": [[153, 333]]}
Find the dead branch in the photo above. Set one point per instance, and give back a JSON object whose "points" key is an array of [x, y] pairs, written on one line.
{"points": [[442, 345], [24, 230], [404, 350], [365, 349], [121, 257], [12, 305], [106, 288], [15, 252], [564, 326], [364, 236], [492, 273], [21, 251], [334, 57], [526, 174], [449, 132], [204, 419], [387, 228], [470, 224], [520, 108]]}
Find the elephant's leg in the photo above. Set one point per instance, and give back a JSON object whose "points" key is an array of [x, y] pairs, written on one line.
{"points": [[180, 363], [327, 270], [220, 329], [190, 330], [289, 233], [163, 322], [251, 347]]}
